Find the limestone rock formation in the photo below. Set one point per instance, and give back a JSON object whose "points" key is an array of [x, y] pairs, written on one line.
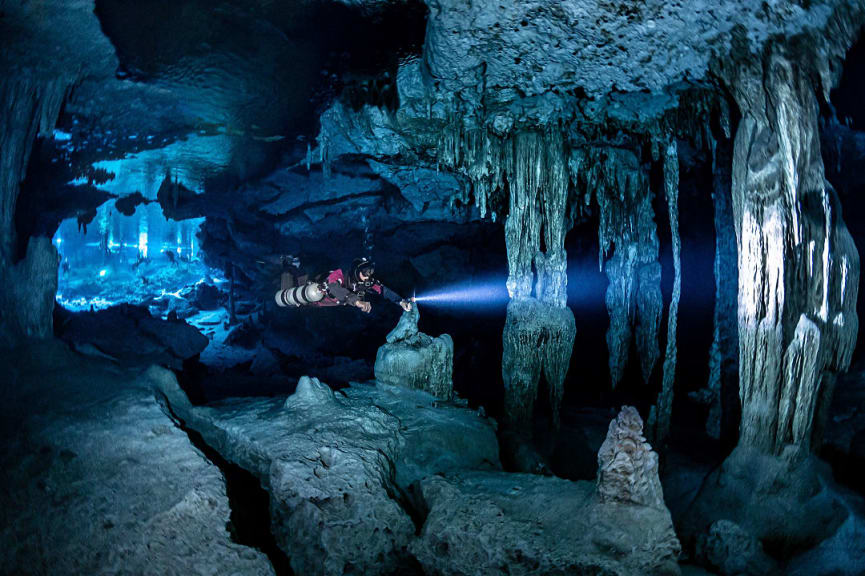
{"points": [[416, 360], [28, 107], [145, 340], [627, 227], [659, 419], [538, 340], [27, 290], [500, 523], [337, 465], [627, 466], [527, 524]]}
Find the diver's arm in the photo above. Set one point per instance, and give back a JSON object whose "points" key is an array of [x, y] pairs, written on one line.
{"points": [[392, 296]]}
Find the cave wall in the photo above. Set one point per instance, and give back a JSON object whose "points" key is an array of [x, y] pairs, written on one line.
{"points": [[29, 107]]}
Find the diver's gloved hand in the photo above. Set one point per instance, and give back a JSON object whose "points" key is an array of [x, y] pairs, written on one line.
{"points": [[406, 305], [364, 306]]}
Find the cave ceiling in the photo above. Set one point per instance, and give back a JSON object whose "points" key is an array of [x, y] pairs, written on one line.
{"points": [[148, 75]]}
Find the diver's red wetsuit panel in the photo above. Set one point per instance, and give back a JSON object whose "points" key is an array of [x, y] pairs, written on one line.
{"points": [[343, 291]]}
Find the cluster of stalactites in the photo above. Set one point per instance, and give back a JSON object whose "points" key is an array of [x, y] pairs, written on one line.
{"points": [[629, 247], [798, 266], [531, 168]]}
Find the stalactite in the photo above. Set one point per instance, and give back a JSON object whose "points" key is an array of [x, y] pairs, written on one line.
{"points": [[722, 388], [627, 227], [798, 266], [662, 411]]}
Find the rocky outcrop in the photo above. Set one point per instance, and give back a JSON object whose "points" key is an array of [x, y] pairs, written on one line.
{"points": [[28, 107], [27, 290], [416, 360], [505, 524], [627, 466], [131, 335], [337, 465], [538, 340], [780, 501], [348, 472], [496, 523]]}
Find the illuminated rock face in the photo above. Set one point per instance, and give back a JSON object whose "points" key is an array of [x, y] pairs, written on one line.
{"points": [[538, 339], [533, 167], [798, 266]]}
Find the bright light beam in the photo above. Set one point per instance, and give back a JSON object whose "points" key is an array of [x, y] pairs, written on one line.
{"points": [[490, 293]]}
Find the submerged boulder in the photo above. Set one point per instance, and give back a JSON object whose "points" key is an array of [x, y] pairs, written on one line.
{"points": [[416, 360], [731, 550], [781, 501]]}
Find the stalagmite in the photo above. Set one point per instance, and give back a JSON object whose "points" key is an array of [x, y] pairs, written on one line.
{"points": [[416, 360], [538, 340], [627, 226], [661, 412], [798, 266]]}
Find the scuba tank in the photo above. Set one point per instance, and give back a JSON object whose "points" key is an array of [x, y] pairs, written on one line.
{"points": [[309, 293]]}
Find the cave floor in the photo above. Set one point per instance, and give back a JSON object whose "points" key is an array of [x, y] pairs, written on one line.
{"points": [[99, 480]]}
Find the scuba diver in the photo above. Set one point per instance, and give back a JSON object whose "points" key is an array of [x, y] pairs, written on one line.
{"points": [[336, 288]]}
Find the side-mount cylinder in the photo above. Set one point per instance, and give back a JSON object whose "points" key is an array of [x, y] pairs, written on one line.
{"points": [[309, 293]]}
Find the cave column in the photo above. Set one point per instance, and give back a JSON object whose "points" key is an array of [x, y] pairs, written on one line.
{"points": [[798, 266], [539, 330]]}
